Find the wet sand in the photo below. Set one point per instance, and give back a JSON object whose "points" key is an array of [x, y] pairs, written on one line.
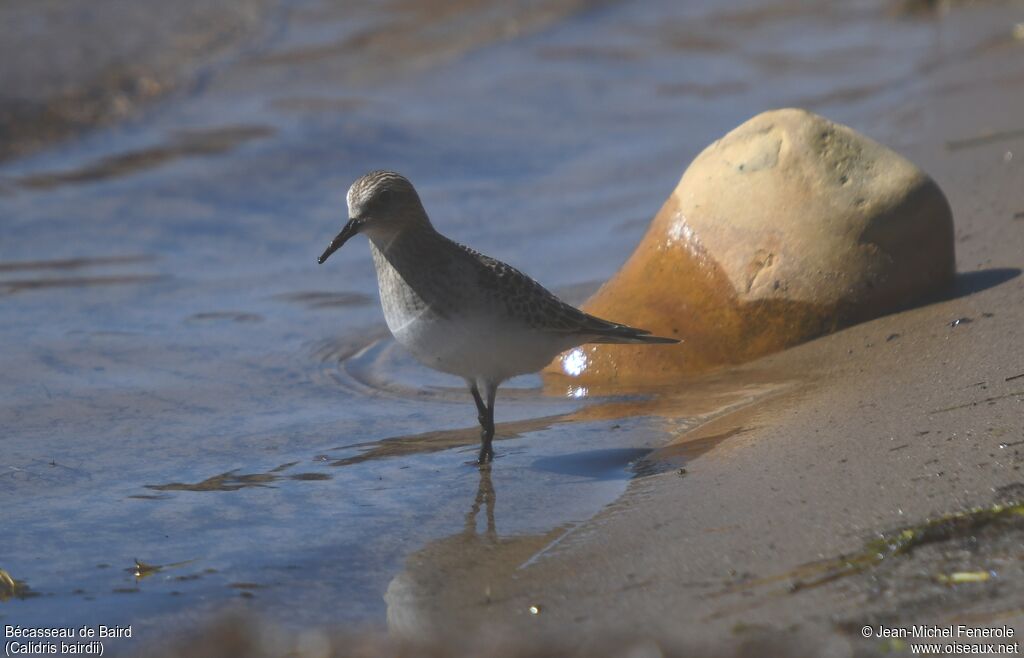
{"points": [[69, 69]]}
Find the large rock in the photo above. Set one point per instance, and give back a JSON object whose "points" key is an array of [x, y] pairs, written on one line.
{"points": [[786, 228]]}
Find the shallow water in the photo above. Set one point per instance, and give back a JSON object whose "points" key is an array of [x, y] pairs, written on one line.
{"points": [[181, 384]]}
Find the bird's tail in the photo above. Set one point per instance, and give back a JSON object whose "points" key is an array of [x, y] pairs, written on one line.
{"points": [[634, 339], [599, 330], [605, 331]]}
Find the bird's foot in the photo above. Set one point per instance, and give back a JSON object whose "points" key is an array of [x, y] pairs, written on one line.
{"points": [[486, 456]]}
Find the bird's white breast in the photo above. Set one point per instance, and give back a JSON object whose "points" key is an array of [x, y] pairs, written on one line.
{"points": [[472, 340]]}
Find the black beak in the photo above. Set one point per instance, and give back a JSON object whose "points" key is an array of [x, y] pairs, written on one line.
{"points": [[351, 228]]}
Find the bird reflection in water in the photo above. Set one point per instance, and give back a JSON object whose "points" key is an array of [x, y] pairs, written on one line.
{"points": [[484, 498], [459, 572]]}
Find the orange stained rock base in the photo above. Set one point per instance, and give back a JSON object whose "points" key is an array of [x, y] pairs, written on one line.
{"points": [[672, 287], [677, 290], [788, 227]]}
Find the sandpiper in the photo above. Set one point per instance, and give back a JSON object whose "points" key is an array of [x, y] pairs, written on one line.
{"points": [[457, 310]]}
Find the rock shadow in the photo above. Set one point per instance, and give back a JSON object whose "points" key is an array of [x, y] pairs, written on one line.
{"points": [[968, 283]]}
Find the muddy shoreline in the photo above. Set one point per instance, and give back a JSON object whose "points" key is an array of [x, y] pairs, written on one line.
{"points": [[69, 70]]}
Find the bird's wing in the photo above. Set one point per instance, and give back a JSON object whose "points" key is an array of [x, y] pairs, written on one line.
{"points": [[525, 299]]}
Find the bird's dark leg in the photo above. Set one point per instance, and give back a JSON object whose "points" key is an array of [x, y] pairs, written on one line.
{"points": [[485, 415], [487, 431]]}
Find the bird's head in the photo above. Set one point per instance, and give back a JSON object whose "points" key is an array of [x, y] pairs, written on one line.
{"points": [[380, 204]]}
